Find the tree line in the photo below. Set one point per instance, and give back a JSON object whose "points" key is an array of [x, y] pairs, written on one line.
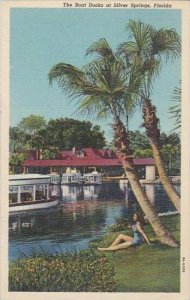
{"points": [[33, 133]]}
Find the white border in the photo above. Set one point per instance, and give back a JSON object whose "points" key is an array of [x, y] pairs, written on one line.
{"points": [[4, 127]]}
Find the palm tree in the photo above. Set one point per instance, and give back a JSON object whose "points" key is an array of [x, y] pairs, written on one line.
{"points": [[147, 50], [175, 110], [102, 86]]}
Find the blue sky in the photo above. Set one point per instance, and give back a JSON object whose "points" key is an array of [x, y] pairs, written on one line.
{"points": [[40, 38]]}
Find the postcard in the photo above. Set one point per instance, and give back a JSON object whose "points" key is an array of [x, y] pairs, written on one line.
{"points": [[94, 150]]}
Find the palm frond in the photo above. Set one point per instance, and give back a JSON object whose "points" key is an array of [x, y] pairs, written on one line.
{"points": [[166, 44], [68, 77], [140, 32], [102, 49], [175, 110], [109, 77], [93, 105]]}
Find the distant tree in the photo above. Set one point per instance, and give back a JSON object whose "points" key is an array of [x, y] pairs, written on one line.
{"points": [[62, 134], [68, 133], [171, 152], [143, 153], [171, 157], [172, 139], [17, 140], [138, 141], [97, 138], [50, 153], [32, 124], [169, 147], [16, 163], [27, 134]]}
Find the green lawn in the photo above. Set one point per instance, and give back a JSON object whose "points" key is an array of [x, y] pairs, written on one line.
{"points": [[148, 268]]}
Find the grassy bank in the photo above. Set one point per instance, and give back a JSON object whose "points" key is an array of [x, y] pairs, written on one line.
{"points": [[148, 268]]}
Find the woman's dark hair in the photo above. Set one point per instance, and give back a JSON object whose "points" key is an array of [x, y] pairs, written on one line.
{"points": [[140, 219]]}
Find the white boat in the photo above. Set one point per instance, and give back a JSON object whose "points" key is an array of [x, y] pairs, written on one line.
{"points": [[71, 178], [55, 178], [30, 191], [92, 178]]}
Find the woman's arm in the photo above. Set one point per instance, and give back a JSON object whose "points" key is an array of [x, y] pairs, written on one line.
{"points": [[139, 228]]}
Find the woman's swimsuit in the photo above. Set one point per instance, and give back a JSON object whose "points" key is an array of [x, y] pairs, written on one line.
{"points": [[138, 238]]}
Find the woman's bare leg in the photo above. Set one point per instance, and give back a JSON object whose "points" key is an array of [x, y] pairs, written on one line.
{"points": [[120, 238], [117, 247]]}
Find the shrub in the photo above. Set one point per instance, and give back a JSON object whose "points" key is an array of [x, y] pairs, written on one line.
{"points": [[120, 225], [83, 271]]}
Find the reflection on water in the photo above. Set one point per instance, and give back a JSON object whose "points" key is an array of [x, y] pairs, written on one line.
{"points": [[82, 215]]}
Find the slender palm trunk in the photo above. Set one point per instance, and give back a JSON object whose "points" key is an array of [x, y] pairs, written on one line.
{"points": [[171, 192], [153, 132], [121, 143]]}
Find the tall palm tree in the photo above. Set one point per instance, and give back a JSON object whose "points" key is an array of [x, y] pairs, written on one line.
{"points": [[102, 86], [148, 49]]}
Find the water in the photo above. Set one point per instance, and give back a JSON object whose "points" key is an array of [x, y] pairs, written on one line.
{"points": [[82, 215]]}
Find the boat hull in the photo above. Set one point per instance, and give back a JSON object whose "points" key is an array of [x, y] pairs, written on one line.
{"points": [[92, 183], [33, 205], [71, 183]]}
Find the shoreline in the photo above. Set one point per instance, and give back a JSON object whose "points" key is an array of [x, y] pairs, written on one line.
{"points": [[159, 257], [174, 180]]}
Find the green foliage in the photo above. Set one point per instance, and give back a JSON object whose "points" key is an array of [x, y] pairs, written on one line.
{"points": [[143, 153], [170, 149], [28, 134], [16, 162], [138, 141], [172, 139], [32, 124], [171, 152], [61, 134], [175, 110], [171, 157], [139, 144], [106, 87], [18, 140], [68, 133], [120, 225], [50, 154], [147, 50], [83, 271]]}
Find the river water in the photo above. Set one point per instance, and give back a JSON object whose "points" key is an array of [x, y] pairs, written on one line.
{"points": [[82, 215]]}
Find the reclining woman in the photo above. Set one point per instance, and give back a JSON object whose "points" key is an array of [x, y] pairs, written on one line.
{"points": [[124, 241]]}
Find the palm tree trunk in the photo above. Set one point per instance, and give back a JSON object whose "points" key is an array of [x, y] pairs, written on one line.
{"points": [[171, 192], [121, 142], [153, 132]]}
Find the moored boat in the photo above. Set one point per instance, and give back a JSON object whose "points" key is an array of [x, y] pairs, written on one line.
{"points": [[55, 178], [71, 178], [92, 178], [30, 191]]}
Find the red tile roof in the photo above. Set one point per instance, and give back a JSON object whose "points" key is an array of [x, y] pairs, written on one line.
{"points": [[92, 157]]}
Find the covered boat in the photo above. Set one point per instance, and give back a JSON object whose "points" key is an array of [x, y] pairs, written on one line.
{"points": [[92, 178], [30, 191], [71, 178]]}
